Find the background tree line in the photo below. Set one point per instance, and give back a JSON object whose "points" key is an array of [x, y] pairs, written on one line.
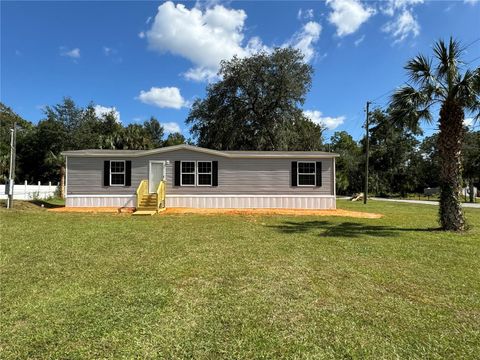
{"points": [[255, 105], [67, 126], [401, 161]]}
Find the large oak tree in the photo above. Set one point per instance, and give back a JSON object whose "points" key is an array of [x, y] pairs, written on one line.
{"points": [[256, 105]]}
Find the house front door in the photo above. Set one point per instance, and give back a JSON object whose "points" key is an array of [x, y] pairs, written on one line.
{"points": [[156, 174]]}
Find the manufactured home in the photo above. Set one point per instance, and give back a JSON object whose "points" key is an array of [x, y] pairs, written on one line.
{"points": [[195, 177]]}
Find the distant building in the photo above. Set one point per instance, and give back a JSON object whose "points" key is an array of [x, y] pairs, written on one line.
{"points": [[466, 191]]}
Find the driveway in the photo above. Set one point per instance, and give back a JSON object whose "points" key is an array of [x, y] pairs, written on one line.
{"points": [[465, 205]]}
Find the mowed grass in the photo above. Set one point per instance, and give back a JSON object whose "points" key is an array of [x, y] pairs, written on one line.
{"points": [[209, 287]]}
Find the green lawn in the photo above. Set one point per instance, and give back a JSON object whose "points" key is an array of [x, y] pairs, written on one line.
{"points": [[172, 286]]}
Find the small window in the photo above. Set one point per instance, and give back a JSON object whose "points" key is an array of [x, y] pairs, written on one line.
{"points": [[187, 176], [306, 173], [204, 173], [117, 173]]}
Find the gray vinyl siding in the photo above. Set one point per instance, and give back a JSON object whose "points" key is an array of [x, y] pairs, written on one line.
{"points": [[236, 176]]}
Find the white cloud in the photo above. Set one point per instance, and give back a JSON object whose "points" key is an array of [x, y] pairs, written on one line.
{"points": [[305, 14], [359, 40], [203, 37], [201, 74], [329, 122], [402, 26], [141, 34], [73, 53], [166, 97], [103, 110], [348, 15], [392, 6], [306, 39], [471, 2], [207, 36], [171, 127]]}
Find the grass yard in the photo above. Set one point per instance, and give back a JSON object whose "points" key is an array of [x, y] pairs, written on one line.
{"points": [[208, 287]]}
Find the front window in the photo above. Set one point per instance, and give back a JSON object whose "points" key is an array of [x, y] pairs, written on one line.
{"points": [[117, 173], [204, 173], [306, 173], [187, 173]]}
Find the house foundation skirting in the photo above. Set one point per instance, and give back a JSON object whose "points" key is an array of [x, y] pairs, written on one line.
{"points": [[213, 201], [252, 201], [100, 201]]}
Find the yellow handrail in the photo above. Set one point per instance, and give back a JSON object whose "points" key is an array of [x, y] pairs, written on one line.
{"points": [[161, 195], [141, 190]]}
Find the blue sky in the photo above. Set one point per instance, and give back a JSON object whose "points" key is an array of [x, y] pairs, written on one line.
{"points": [[154, 58]]}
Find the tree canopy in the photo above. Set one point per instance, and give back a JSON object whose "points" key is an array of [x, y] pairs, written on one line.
{"points": [[256, 105], [67, 126]]}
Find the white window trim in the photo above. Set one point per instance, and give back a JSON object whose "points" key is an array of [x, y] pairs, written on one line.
{"points": [[204, 173], [314, 173], [124, 172], [194, 172]]}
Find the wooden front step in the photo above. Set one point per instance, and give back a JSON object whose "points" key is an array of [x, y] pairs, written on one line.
{"points": [[144, 212], [147, 205], [148, 201]]}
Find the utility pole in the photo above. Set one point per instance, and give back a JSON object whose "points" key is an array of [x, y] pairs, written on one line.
{"points": [[11, 173], [367, 145]]}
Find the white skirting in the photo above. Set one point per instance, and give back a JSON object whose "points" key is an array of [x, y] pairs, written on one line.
{"points": [[100, 201], [213, 201], [252, 201]]}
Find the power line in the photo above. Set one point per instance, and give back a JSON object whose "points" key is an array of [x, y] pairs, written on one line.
{"points": [[471, 61], [473, 42], [384, 94]]}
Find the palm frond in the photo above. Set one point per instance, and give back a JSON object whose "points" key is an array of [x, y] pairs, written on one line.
{"points": [[468, 92], [441, 53], [448, 59], [419, 69], [409, 107]]}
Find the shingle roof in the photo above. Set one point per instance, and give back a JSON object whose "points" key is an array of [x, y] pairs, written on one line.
{"points": [[226, 153]]}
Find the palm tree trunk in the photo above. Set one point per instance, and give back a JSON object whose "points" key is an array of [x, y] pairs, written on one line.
{"points": [[450, 141]]}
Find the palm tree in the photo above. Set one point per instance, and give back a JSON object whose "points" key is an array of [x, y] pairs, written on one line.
{"points": [[442, 80]]}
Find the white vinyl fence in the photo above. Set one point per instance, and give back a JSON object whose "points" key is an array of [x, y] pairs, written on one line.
{"points": [[29, 192]]}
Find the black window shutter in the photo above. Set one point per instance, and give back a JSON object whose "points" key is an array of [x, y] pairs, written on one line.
{"points": [[294, 173], [214, 173], [128, 173], [106, 173], [177, 173], [319, 173]]}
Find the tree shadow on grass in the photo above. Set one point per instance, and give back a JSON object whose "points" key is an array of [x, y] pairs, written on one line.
{"points": [[46, 204], [344, 229]]}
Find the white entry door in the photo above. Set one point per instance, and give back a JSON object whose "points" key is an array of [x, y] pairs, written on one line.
{"points": [[156, 174]]}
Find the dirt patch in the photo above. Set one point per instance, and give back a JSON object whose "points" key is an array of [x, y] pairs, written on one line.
{"points": [[22, 205], [295, 212]]}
